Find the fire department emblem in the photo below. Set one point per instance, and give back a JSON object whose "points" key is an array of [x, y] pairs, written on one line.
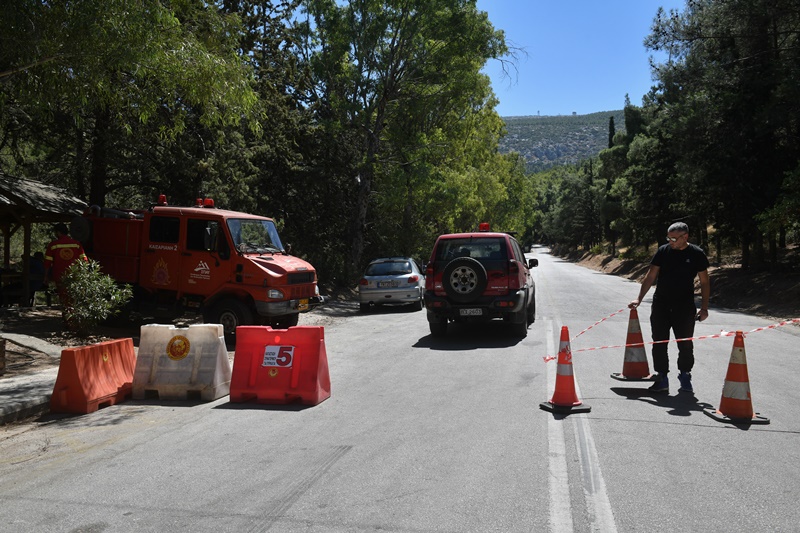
{"points": [[178, 347], [160, 273], [66, 254]]}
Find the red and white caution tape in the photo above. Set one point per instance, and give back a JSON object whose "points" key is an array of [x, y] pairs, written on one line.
{"points": [[721, 334], [598, 322]]}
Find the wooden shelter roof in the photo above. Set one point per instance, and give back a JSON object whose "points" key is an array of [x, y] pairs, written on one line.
{"points": [[34, 202]]}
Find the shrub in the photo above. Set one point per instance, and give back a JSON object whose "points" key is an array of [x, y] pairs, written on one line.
{"points": [[91, 296]]}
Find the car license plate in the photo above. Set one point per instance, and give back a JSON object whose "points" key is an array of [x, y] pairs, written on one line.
{"points": [[385, 284], [471, 312], [302, 305]]}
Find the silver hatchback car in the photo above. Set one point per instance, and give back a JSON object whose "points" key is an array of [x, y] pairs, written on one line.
{"points": [[392, 280]]}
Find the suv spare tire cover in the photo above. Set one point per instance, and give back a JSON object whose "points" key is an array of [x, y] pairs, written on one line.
{"points": [[464, 279]]}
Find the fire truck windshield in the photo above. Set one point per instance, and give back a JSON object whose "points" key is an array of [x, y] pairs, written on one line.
{"points": [[254, 236]]}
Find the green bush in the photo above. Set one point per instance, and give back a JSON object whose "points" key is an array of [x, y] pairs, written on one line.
{"points": [[91, 296]]}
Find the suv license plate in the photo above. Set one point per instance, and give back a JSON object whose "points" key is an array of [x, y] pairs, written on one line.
{"points": [[470, 312]]}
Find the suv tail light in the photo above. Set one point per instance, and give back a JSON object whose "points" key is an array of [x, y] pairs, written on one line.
{"points": [[429, 276], [363, 281], [513, 275]]}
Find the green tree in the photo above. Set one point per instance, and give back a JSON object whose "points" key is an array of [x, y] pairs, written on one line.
{"points": [[727, 107], [89, 73], [373, 59]]}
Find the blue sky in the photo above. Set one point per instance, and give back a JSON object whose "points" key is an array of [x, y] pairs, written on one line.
{"points": [[580, 56]]}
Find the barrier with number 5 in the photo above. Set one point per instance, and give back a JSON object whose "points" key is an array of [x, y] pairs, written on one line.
{"points": [[280, 366]]}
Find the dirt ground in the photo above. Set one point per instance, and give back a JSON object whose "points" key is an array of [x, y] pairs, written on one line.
{"points": [[775, 295]]}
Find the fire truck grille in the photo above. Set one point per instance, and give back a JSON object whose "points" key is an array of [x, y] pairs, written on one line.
{"points": [[306, 291], [300, 277]]}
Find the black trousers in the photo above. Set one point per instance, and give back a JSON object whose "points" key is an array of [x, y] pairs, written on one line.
{"points": [[679, 317]]}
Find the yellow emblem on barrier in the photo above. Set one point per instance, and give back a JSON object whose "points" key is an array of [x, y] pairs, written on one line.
{"points": [[178, 347], [106, 356], [273, 372]]}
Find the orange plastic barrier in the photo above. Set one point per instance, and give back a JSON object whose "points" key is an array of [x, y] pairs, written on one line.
{"points": [[736, 405], [279, 366], [634, 366], [565, 399], [92, 377]]}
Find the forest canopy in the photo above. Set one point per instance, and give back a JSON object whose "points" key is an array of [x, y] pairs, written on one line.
{"points": [[366, 128]]}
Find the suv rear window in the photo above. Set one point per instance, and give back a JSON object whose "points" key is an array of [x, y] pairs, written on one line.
{"points": [[477, 248]]}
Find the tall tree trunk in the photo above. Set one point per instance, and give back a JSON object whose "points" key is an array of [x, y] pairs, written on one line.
{"points": [[98, 186], [758, 250], [746, 250], [408, 214], [359, 223]]}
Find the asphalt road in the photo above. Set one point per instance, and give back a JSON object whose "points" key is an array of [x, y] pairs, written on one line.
{"points": [[429, 435]]}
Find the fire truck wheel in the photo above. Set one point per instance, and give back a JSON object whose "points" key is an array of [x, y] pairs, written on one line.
{"points": [[230, 313]]}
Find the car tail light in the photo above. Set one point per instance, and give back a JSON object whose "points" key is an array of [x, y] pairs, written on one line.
{"points": [[363, 281], [413, 279], [429, 277], [513, 275]]}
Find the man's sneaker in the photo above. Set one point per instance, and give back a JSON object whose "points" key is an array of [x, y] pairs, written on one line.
{"points": [[661, 384], [686, 381]]}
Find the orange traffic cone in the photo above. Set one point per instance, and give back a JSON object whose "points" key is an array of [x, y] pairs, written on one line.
{"points": [[564, 399], [736, 406], [635, 367]]}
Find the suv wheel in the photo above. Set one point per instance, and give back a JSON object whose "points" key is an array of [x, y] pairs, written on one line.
{"points": [[520, 329], [438, 327], [464, 279], [532, 310]]}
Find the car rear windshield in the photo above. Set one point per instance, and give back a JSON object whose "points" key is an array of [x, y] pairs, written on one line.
{"points": [[388, 268], [475, 247]]}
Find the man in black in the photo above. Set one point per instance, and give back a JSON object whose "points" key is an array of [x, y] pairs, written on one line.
{"points": [[675, 265]]}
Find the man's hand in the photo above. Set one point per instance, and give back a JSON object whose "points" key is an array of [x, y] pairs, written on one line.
{"points": [[702, 314], [634, 304]]}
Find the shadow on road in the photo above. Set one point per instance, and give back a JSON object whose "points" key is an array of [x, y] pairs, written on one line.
{"points": [[681, 404], [471, 336]]}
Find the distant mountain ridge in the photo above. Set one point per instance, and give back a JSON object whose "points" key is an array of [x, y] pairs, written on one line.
{"points": [[548, 141]]}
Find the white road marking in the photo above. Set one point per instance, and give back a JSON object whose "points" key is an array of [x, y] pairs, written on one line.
{"points": [[560, 504]]}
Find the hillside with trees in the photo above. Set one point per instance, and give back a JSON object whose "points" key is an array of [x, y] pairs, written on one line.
{"points": [[547, 141], [716, 144]]}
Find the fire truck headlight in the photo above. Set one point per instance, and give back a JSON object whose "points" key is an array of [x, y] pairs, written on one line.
{"points": [[274, 294]]}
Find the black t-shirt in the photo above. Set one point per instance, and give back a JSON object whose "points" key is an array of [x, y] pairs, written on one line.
{"points": [[677, 270]]}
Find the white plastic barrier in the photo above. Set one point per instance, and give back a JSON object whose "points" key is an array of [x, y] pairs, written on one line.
{"points": [[182, 363]]}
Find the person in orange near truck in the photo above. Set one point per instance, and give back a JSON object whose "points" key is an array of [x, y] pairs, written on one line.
{"points": [[60, 254]]}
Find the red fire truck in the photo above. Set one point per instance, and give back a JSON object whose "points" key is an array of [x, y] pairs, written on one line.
{"points": [[231, 267]]}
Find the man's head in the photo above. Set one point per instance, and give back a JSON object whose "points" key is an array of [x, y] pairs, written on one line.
{"points": [[60, 229], [678, 236]]}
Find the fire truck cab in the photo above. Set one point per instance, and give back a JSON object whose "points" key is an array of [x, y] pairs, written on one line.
{"points": [[229, 266]]}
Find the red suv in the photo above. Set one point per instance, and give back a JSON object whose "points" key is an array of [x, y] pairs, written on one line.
{"points": [[479, 276]]}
